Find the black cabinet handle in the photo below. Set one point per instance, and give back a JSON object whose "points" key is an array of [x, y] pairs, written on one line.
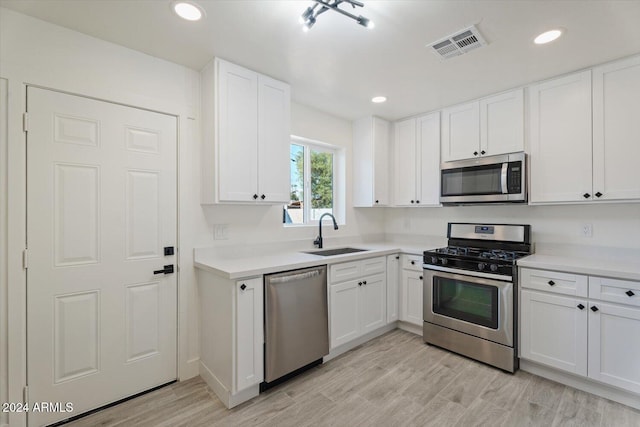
{"points": [[255, 197], [377, 201], [263, 197], [420, 277], [243, 287], [359, 283], [413, 263], [397, 256], [364, 282], [413, 201], [594, 308], [598, 194], [586, 195], [483, 152], [551, 282], [629, 293], [168, 269], [475, 153], [581, 307], [417, 201]]}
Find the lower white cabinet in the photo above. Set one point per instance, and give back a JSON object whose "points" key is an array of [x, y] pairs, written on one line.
{"points": [[596, 337], [393, 279], [358, 305], [231, 336], [411, 290]]}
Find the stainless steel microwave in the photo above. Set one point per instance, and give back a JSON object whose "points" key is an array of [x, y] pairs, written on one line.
{"points": [[491, 179]]}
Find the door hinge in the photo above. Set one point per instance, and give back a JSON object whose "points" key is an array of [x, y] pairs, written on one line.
{"points": [[25, 394], [25, 259], [25, 122]]}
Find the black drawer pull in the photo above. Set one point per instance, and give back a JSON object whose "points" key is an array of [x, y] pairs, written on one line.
{"points": [[359, 283], [598, 194], [586, 195], [243, 287], [594, 308], [413, 263], [364, 282], [420, 277], [551, 282], [475, 153], [629, 293], [581, 307]]}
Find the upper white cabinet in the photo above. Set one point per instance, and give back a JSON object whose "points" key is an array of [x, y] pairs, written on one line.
{"points": [[246, 132], [616, 130], [417, 161], [489, 126], [371, 162]]}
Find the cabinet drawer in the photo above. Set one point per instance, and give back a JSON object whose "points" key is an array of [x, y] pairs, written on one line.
{"points": [[344, 271], [412, 262], [552, 281], [373, 266], [614, 290]]}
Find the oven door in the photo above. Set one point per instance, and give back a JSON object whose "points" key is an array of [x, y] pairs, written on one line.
{"points": [[473, 305]]}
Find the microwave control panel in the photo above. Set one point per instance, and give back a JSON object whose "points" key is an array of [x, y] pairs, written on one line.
{"points": [[514, 178]]}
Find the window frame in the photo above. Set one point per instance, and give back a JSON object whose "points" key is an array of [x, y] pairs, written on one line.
{"points": [[338, 173]]}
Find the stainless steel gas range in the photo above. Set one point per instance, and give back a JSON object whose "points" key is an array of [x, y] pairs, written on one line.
{"points": [[470, 292]]}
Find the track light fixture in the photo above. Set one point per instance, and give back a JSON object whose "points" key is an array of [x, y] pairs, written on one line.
{"points": [[308, 18]]}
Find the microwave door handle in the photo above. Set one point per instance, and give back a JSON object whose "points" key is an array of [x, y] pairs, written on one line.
{"points": [[503, 177]]}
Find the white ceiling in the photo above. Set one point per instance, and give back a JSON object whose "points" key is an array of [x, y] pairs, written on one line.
{"points": [[338, 65]]}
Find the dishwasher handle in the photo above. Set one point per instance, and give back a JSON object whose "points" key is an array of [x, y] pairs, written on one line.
{"points": [[294, 277]]}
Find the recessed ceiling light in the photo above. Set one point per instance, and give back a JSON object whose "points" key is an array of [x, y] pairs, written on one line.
{"points": [[378, 99], [187, 10], [547, 36]]}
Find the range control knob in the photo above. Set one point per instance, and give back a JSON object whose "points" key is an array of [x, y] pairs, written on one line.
{"points": [[444, 261], [434, 260], [481, 266], [493, 267]]}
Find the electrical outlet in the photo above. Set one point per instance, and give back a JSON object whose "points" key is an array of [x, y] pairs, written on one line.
{"points": [[587, 230], [221, 232]]}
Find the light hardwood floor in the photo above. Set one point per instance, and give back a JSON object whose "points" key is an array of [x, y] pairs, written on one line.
{"points": [[394, 380]]}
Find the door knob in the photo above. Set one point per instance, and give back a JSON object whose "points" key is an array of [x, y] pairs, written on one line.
{"points": [[551, 282], [263, 197], [483, 152], [599, 194], [243, 287], [586, 195], [581, 307], [475, 153], [629, 293], [594, 308], [255, 197], [168, 269]]}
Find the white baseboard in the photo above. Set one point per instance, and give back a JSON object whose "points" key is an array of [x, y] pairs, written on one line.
{"points": [[189, 370], [226, 397], [581, 383], [410, 327], [358, 341]]}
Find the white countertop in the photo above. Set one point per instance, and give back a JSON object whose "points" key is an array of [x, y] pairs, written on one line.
{"points": [[240, 266], [628, 269]]}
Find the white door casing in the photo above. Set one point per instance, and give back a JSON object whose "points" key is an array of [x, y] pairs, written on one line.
{"points": [[101, 202]]}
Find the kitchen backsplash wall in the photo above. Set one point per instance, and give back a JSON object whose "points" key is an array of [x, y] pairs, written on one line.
{"points": [[258, 224]]}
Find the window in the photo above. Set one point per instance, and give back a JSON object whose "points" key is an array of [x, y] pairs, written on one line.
{"points": [[314, 189]]}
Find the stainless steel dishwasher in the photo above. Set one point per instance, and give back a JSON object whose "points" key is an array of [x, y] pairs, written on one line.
{"points": [[296, 322]]}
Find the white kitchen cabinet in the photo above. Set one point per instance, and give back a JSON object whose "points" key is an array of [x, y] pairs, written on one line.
{"points": [[231, 336], [393, 279], [417, 161], [594, 336], [357, 299], [616, 130], [371, 162], [485, 127], [246, 136], [554, 331], [411, 293]]}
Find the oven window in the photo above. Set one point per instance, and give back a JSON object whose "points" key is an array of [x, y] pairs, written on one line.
{"points": [[476, 180], [471, 302]]}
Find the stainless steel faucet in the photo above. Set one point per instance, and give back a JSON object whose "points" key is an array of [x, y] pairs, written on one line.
{"points": [[318, 241]]}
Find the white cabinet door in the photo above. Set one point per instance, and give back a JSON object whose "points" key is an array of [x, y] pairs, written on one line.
{"points": [[237, 133], [461, 132], [554, 331], [274, 112], [370, 162], [560, 135], [411, 292], [405, 163], [249, 333], [614, 345], [345, 316], [373, 301], [616, 130], [502, 123], [393, 277], [380, 162], [428, 142]]}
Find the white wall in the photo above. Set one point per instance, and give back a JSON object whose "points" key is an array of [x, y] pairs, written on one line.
{"points": [[258, 224], [35, 52], [614, 225]]}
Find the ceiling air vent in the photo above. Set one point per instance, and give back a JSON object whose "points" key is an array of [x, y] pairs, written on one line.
{"points": [[456, 44]]}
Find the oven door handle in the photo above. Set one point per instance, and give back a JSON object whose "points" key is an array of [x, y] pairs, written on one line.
{"points": [[498, 279], [503, 178]]}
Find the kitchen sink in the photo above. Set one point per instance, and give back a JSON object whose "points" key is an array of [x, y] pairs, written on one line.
{"points": [[336, 251]]}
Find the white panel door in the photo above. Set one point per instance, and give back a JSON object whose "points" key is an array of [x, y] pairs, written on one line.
{"points": [[560, 136], [554, 331], [405, 163], [237, 133], [616, 130], [429, 154], [274, 138], [411, 304], [101, 201], [249, 333], [461, 132], [373, 301], [502, 123], [393, 279], [345, 313], [614, 345]]}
